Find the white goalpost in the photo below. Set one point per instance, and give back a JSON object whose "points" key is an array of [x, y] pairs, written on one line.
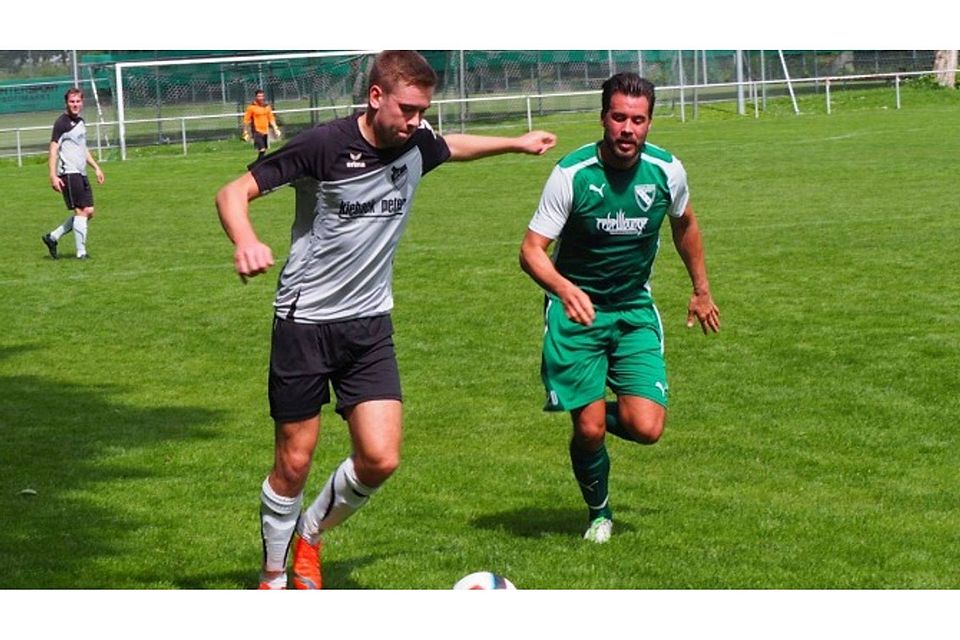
{"points": [[344, 65]]}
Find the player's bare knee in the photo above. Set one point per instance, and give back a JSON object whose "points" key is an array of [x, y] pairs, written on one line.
{"points": [[374, 470], [589, 436], [87, 212], [293, 467], [646, 431]]}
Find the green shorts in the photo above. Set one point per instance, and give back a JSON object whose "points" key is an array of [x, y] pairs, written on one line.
{"points": [[621, 349]]}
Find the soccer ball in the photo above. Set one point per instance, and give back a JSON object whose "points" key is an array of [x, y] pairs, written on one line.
{"points": [[482, 580]]}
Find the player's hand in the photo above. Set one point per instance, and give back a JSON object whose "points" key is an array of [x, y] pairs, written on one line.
{"points": [[277, 132], [100, 176], [537, 142], [245, 136], [57, 183], [703, 309], [577, 305], [252, 259]]}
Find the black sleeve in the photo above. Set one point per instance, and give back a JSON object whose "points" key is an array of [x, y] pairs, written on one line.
{"points": [[433, 148], [60, 127], [302, 156]]}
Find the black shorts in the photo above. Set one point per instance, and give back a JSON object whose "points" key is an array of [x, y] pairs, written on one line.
{"points": [[356, 356], [259, 141], [76, 191]]}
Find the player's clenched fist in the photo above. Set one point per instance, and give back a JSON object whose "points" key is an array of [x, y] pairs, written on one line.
{"points": [[252, 259]]}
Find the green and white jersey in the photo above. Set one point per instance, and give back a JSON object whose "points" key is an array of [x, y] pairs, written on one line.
{"points": [[607, 221]]}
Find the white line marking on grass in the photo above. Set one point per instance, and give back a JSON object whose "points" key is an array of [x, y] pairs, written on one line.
{"points": [[91, 274]]}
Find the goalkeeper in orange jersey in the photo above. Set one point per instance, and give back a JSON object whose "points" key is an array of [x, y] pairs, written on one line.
{"points": [[258, 119]]}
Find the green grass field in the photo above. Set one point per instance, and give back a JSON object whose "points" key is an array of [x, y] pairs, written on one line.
{"points": [[812, 444]]}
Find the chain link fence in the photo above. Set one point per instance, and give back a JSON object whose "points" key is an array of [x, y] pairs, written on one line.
{"points": [[181, 104]]}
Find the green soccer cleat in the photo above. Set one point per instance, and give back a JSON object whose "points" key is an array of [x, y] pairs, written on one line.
{"points": [[599, 531]]}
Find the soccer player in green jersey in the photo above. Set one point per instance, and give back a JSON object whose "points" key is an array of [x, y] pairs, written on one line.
{"points": [[604, 204]]}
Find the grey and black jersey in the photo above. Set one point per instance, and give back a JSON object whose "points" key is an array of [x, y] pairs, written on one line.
{"points": [[71, 134], [352, 204]]}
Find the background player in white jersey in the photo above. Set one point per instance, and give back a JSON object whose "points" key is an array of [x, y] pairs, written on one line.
{"points": [[604, 204], [68, 162], [355, 179]]}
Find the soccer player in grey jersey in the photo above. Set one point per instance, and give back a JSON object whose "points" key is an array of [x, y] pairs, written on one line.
{"points": [[68, 162], [355, 179], [604, 205]]}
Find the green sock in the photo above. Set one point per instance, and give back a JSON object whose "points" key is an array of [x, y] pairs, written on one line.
{"points": [[592, 471], [613, 423]]}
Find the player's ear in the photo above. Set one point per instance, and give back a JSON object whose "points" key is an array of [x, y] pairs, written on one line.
{"points": [[375, 96]]}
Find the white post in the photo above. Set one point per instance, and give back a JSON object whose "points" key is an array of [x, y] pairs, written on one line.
{"points": [[121, 127], [99, 146], [610, 61], [696, 97], [76, 68], [683, 109], [786, 74], [827, 85], [463, 92], [705, 81], [529, 115], [440, 119], [741, 106], [640, 63], [763, 79], [756, 101], [19, 157], [898, 91], [183, 134]]}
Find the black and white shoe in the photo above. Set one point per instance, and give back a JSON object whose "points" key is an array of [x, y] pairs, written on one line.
{"points": [[51, 245]]}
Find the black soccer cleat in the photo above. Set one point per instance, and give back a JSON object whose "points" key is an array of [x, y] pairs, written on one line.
{"points": [[51, 245]]}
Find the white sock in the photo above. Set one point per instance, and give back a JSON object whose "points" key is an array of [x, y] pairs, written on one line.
{"points": [[80, 234], [57, 233], [341, 496], [278, 519]]}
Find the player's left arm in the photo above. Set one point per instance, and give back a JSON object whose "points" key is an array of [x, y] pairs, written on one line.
{"points": [[96, 168], [465, 146], [689, 243]]}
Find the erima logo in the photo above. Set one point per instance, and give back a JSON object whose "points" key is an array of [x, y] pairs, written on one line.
{"points": [[599, 189], [355, 162], [398, 176], [621, 225], [645, 194]]}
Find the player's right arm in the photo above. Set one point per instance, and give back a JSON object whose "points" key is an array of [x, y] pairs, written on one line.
{"points": [[538, 265], [548, 221], [247, 125], [251, 257], [55, 180]]}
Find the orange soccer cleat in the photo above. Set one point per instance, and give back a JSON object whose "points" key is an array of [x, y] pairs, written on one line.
{"points": [[306, 565]]}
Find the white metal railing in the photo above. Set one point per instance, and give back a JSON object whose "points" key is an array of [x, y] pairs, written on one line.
{"points": [[753, 86]]}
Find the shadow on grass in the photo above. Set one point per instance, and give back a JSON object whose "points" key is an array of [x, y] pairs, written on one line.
{"points": [[62, 469], [337, 575], [542, 522]]}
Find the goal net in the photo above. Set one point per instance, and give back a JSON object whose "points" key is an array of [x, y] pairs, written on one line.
{"points": [[163, 101]]}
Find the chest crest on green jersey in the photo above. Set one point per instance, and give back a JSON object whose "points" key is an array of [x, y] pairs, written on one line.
{"points": [[645, 195]]}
